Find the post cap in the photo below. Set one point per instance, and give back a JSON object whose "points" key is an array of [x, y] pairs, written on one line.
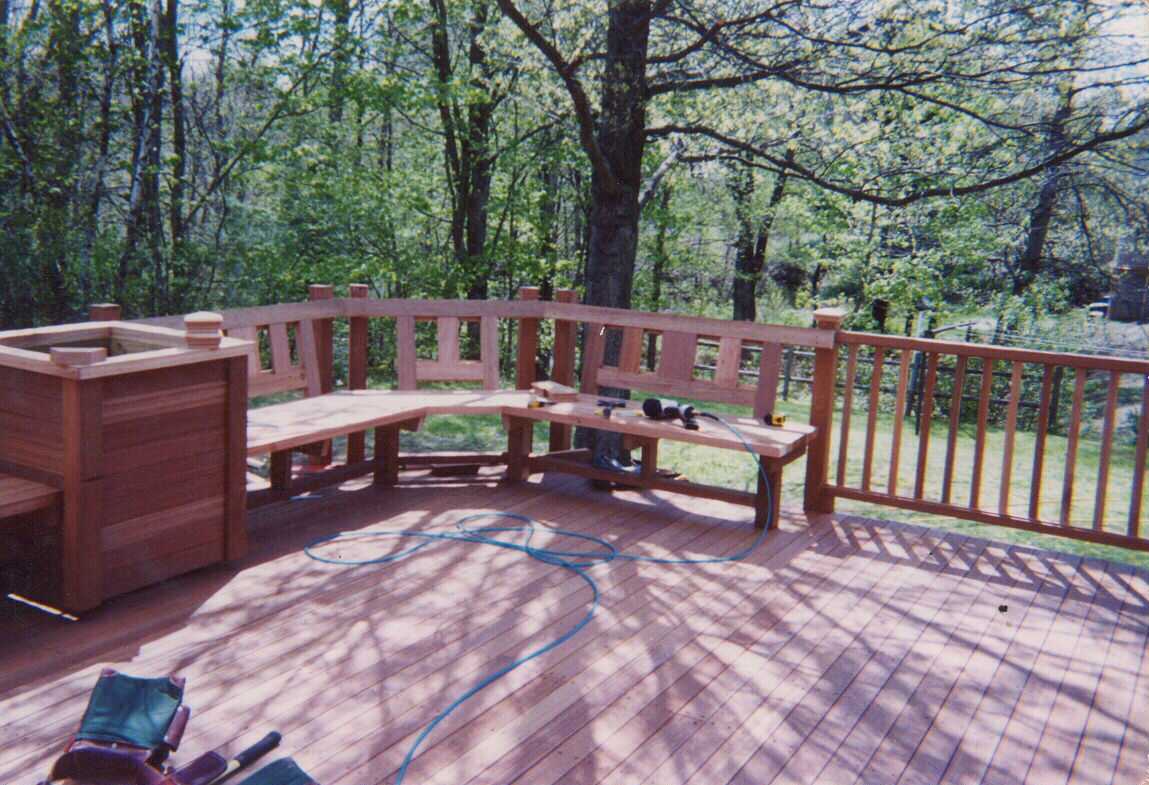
{"points": [[829, 318], [528, 292], [203, 330], [104, 312], [72, 356], [321, 291], [358, 289]]}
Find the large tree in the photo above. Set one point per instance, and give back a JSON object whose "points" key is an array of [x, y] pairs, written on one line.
{"points": [[958, 86]]}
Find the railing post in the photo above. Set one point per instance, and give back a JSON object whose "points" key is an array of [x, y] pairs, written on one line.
{"points": [[356, 367], [563, 366], [104, 312], [325, 355], [527, 351], [822, 414]]}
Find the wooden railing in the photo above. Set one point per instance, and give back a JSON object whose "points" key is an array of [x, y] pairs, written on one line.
{"points": [[1016, 475], [1028, 473]]}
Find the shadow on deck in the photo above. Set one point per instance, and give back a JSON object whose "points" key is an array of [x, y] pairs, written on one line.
{"points": [[843, 650]]}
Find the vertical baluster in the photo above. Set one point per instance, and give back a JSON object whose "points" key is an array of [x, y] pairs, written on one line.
{"points": [[1139, 462], [979, 442], [1043, 414], [955, 421], [1106, 450], [899, 419], [926, 419], [847, 405], [1010, 433], [872, 416], [1071, 446]]}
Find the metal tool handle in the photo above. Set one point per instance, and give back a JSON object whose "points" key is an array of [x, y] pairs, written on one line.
{"points": [[258, 750]]}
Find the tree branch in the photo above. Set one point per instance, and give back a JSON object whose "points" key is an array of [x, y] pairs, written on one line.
{"points": [[582, 107]]}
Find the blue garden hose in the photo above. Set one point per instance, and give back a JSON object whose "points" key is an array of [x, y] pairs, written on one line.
{"points": [[576, 561]]}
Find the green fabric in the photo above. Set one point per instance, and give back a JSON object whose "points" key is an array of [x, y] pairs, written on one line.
{"points": [[129, 710], [282, 772]]}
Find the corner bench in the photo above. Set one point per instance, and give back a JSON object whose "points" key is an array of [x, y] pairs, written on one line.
{"points": [[37, 506]]}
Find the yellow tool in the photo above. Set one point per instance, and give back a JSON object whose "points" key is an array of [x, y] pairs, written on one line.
{"points": [[777, 420]]}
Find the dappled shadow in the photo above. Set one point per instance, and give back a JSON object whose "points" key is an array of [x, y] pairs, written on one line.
{"points": [[846, 645]]}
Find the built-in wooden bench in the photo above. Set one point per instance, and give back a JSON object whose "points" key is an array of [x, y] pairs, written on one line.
{"points": [[20, 497], [291, 351], [27, 508]]}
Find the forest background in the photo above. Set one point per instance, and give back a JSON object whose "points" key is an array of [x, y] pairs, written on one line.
{"points": [[732, 158]]}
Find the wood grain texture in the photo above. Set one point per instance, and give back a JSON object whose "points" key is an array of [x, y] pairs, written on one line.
{"points": [[1009, 437], [955, 420], [899, 420], [872, 416], [593, 348], [1073, 433], [985, 389], [769, 369], [357, 361], [1041, 430], [847, 412], [1139, 456], [405, 353], [676, 356], [1108, 426], [927, 418]]}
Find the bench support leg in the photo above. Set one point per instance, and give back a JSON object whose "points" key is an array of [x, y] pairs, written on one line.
{"points": [[650, 459], [281, 470], [387, 455], [520, 433], [768, 505]]}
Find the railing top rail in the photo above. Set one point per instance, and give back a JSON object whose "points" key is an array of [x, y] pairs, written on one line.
{"points": [[702, 326], [512, 309], [991, 352]]}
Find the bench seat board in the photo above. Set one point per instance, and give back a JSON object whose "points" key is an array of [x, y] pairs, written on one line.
{"points": [[785, 442], [295, 423], [292, 424], [19, 496]]}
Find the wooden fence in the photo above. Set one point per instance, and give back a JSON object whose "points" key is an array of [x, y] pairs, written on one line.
{"points": [[1024, 474]]}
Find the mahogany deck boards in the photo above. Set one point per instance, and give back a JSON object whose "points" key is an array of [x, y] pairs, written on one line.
{"points": [[843, 651]]}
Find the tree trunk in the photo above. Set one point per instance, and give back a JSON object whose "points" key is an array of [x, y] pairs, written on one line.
{"points": [[615, 213], [1029, 260]]}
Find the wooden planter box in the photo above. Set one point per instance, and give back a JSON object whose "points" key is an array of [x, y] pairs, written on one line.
{"points": [[144, 435]]}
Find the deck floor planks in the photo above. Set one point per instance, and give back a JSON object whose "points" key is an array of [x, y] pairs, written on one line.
{"points": [[246, 644], [653, 632], [798, 635], [797, 578], [1131, 756], [1100, 744], [977, 677], [905, 617], [1018, 743], [977, 743], [499, 720], [1062, 733], [778, 728], [521, 593], [914, 724], [560, 739], [711, 712], [901, 667], [803, 662], [567, 613]]}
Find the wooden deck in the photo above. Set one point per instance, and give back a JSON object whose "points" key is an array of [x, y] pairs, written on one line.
{"points": [[842, 651]]}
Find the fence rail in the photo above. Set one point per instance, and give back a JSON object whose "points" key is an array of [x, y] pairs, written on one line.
{"points": [[1036, 472]]}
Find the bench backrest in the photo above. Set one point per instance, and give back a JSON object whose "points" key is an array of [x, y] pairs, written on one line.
{"points": [[675, 366], [447, 366], [287, 371]]}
